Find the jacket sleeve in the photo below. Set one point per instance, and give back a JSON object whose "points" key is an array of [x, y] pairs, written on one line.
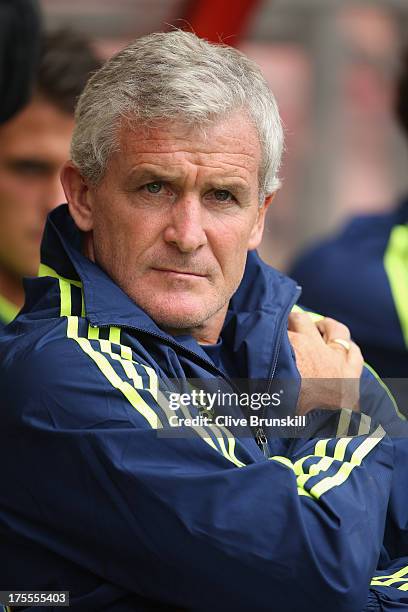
{"points": [[389, 585], [86, 475], [377, 401], [389, 588]]}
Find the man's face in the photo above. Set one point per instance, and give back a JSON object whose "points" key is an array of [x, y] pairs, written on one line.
{"points": [[33, 146], [174, 216]]}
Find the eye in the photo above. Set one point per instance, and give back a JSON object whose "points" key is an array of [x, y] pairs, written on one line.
{"points": [[223, 195], [154, 187], [30, 168]]}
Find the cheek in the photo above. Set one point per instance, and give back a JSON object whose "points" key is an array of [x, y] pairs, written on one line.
{"points": [[16, 193], [230, 248], [106, 240], [17, 214], [121, 238]]}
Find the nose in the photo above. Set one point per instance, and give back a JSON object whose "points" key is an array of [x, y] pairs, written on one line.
{"points": [[185, 228]]}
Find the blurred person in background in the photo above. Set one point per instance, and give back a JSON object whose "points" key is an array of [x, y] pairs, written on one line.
{"points": [[34, 143], [20, 30], [360, 276]]}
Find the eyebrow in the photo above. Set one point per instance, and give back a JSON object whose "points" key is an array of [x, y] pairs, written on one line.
{"points": [[29, 164], [146, 175], [229, 184]]}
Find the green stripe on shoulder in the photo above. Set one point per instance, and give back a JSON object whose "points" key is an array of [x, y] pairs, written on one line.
{"points": [[8, 311], [386, 389], [396, 268], [65, 285]]}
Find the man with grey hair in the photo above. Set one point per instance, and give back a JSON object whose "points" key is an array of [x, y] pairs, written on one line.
{"points": [[116, 485]]}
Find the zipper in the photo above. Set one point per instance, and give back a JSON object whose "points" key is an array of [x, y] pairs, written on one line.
{"points": [[262, 442], [178, 346], [260, 435]]}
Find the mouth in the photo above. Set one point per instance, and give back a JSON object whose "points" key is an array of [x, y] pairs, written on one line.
{"points": [[179, 273]]}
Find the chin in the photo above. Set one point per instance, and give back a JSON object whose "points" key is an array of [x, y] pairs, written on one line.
{"points": [[180, 319], [180, 310], [26, 269], [178, 314]]}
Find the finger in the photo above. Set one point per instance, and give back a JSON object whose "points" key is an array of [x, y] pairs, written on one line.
{"points": [[302, 323], [355, 358], [294, 338], [352, 356], [332, 330], [339, 344]]}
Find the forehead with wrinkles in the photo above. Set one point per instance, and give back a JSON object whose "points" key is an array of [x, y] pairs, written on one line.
{"points": [[230, 146]]}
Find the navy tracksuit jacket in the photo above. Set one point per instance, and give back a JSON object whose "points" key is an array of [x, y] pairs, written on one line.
{"points": [[97, 500]]}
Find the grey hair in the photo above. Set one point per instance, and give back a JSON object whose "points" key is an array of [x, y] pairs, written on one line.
{"points": [[174, 76]]}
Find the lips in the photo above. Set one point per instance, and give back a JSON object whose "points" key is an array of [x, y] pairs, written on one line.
{"points": [[180, 272]]}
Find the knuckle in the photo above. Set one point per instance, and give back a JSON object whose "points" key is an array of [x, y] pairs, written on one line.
{"points": [[338, 328], [344, 329], [356, 349]]}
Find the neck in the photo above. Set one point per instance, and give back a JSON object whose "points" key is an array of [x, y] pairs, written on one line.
{"points": [[206, 333], [11, 287]]}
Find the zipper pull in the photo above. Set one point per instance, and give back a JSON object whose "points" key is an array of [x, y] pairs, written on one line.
{"points": [[262, 442]]}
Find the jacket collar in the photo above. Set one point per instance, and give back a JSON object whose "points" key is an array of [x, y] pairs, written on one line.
{"points": [[262, 288], [401, 212]]}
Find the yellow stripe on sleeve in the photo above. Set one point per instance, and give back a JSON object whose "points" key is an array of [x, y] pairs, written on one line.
{"points": [[346, 468], [288, 463], [341, 447], [321, 446], [127, 366], [231, 445], [365, 424], [344, 422], [107, 370], [220, 439], [390, 579]]}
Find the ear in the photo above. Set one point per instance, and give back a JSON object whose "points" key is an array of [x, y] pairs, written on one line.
{"points": [[78, 196], [258, 227]]}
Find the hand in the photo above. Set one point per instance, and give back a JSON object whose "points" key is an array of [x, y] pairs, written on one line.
{"points": [[330, 372]]}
